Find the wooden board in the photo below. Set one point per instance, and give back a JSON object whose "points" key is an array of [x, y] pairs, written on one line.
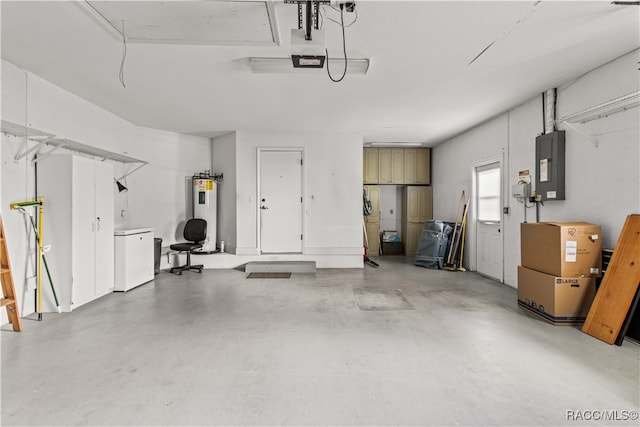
{"points": [[618, 289], [8, 288]]}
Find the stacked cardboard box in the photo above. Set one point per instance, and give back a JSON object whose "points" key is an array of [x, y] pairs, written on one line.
{"points": [[560, 262]]}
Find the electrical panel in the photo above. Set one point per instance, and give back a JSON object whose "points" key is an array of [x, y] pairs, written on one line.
{"points": [[550, 165]]}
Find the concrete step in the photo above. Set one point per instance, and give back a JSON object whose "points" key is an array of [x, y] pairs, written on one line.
{"points": [[280, 267]]}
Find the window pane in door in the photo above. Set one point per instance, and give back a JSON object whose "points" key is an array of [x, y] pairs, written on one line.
{"points": [[489, 194]]}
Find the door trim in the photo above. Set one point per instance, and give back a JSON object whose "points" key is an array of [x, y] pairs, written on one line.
{"points": [[259, 152], [473, 216]]}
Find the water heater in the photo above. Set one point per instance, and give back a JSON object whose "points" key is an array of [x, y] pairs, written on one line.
{"points": [[205, 205]]}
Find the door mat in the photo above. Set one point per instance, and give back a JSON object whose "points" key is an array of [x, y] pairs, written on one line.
{"points": [[269, 275], [382, 300]]}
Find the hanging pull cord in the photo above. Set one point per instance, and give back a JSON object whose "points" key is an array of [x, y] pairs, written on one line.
{"points": [[344, 50], [124, 56]]}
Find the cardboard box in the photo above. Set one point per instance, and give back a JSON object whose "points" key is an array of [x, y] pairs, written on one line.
{"points": [[564, 249], [557, 300]]}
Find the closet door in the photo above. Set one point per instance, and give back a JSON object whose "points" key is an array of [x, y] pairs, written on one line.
{"points": [[373, 191], [104, 240], [83, 231], [411, 204], [426, 204]]}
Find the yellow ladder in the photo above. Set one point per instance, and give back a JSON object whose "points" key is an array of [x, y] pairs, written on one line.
{"points": [[8, 288]]}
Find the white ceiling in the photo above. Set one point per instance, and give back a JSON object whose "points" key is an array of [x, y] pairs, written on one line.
{"points": [[419, 88]]}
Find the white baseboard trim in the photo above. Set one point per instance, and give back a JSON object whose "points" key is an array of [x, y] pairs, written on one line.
{"points": [[246, 251], [227, 260], [359, 250]]}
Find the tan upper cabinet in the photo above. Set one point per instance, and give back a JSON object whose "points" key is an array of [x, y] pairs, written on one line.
{"points": [[417, 166], [398, 166], [410, 165], [423, 166], [370, 166], [385, 166], [391, 165]]}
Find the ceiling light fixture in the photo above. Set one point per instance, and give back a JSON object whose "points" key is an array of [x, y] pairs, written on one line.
{"points": [[283, 65], [394, 144]]}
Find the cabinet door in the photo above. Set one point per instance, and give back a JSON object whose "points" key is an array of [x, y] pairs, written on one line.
{"points": [[425, 203], [373, 236], [411, 204], [104, 243], [83, 232], [423, 166], [370, 166], [397, 165], [373, 191], [410, 165], [385, 162], [414, 229], [139, 262]]}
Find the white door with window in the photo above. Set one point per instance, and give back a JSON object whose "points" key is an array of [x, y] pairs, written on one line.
{"points": [[280, 201], [489, 243]]}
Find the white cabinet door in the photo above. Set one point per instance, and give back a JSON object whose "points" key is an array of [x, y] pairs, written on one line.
{"points": [[103, 190], [83, 232], [133, 258]]}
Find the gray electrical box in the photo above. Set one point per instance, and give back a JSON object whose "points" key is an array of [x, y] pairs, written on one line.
{"points": [[550, 165]]}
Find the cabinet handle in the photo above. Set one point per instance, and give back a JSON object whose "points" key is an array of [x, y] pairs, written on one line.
{"points": [[98, 223]]}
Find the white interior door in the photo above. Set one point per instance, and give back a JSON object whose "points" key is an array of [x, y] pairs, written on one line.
{"points": [[280, 201], [489, 243]]}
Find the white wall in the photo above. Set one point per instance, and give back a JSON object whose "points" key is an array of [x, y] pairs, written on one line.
{"points": [[602, 180], [332, 189], [157, 196], [224, 162], [391, 200]]}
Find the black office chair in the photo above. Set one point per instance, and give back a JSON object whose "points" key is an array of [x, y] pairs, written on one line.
{"points": [[195, 231]]}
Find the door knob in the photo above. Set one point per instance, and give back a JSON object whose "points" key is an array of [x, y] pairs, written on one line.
{"points": [[263, 207]]}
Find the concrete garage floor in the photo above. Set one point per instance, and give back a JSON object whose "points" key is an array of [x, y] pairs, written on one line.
{"points": [[218, 349]]}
